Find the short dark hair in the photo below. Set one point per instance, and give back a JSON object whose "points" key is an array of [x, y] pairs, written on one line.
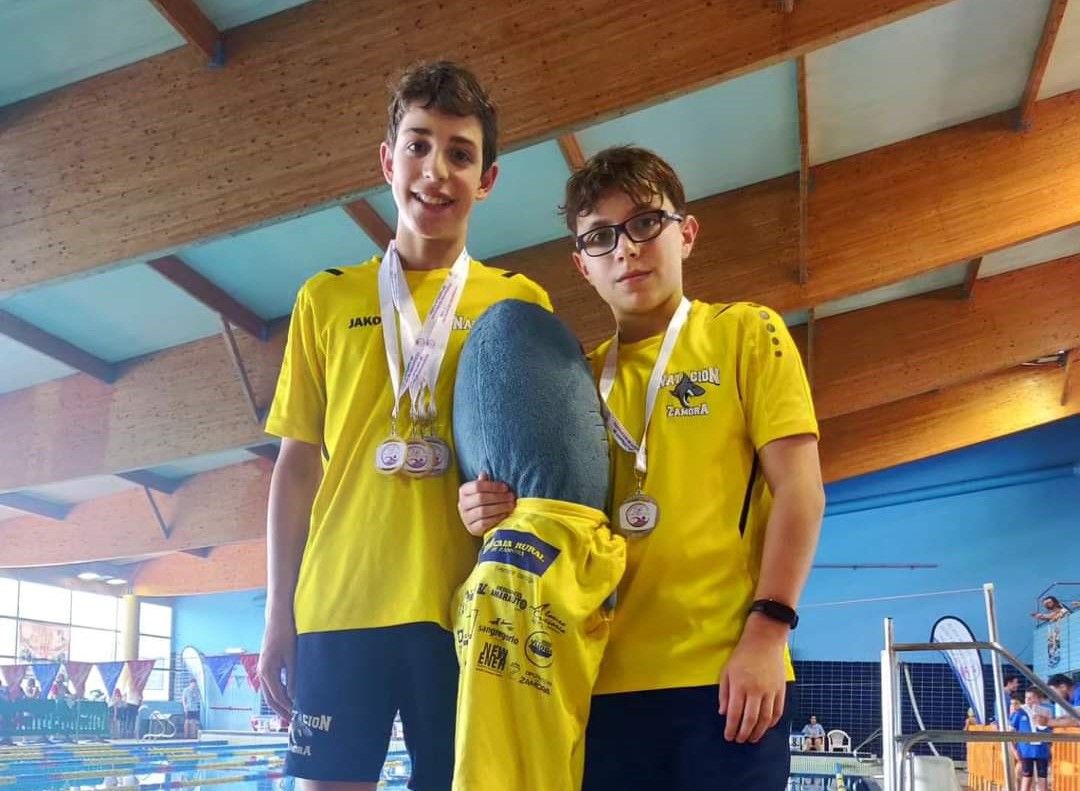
{"points": [[640, 173], [448, 88], [1017, 696], [1060, 680], [1036, 692], [1010, 679]]}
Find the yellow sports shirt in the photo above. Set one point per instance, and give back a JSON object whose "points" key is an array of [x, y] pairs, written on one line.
{"points": [[381, 550], [735, 382]]}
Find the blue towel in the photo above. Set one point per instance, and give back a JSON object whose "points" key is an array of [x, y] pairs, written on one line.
{"points": [[526, 409]]}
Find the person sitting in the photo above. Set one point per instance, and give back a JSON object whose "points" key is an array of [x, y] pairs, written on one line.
{"points": [[813, 736]]}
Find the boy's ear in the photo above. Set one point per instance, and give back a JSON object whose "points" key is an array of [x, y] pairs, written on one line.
{"points": [[386, 159], [581, 266], [689, 230], [487, 181]]}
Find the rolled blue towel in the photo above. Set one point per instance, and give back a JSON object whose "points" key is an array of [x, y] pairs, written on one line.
{"points": [[526, 409]]}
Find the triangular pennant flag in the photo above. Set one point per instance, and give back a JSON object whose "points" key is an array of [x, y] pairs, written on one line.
{"points": [[78, 672], [221, 668], [251, 667], [13, 676], [110, 672], [140, 670], [45, 673]]}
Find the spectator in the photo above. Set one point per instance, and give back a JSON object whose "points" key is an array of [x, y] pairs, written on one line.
{"points": [[813, 735], [1055, 610], [1034, 757], [1067, 688], [190, 699], [33, 691], [1008, 690], [116, 713]]}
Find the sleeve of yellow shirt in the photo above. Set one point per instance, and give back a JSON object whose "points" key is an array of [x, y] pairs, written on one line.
{"points": [[772, 383], [299, 406]]}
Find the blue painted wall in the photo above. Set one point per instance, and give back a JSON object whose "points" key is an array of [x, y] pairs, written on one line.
{"points": [[1020, 538], [215, 622]]}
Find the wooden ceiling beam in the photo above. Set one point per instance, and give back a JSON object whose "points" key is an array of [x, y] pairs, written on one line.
{"points": [[970, 276], [152, 480], [268, 137], [213, 296], [899, 349], [946, 420], [571, 151], [58, 349], [191, 23], [1054, 15], [370, 222]]}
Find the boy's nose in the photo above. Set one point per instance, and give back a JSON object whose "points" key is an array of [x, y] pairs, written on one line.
{"points": [[435, 168], [626, 247]]}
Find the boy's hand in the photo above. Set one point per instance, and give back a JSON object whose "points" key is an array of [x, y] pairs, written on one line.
{"points": [[754, 683], [484, 503], [278, 653]]}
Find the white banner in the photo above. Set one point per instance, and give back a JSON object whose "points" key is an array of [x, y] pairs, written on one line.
{"points": [[966, 662]]}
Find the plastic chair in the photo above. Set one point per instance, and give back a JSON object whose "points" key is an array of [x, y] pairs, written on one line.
{"points": [[838, 741]]}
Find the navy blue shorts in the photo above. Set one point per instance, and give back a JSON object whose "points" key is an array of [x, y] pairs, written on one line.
{"points": [[674, 739], [349, 686], [1029, 766]]}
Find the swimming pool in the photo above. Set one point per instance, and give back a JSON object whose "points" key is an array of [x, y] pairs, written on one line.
{"points": [[158, 766]]}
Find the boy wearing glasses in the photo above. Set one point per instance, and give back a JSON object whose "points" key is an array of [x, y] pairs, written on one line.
{"points": [[716, 485]]}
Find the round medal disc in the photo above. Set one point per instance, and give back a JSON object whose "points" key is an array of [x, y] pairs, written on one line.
{"points": [[418, 458], [440, 456], [639, 514], [390, 456]]}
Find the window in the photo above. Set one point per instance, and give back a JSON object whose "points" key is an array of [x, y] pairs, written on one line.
{"points": [[155, 619], [9, 596], [94, 609], [155, 642], [43, 641], [92, 645], [44, 603], [7, 637]]}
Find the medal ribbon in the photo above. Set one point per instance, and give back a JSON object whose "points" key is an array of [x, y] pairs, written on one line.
{"points": [[622, 436], [422, 346]]}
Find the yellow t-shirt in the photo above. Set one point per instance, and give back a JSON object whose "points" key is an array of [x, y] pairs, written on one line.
{"points": [[381, 550], [735, 382]]}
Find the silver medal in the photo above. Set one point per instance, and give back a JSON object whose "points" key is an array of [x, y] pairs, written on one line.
{"points": [[440, 456], [639, 514], [418, 458], [390, 456]]}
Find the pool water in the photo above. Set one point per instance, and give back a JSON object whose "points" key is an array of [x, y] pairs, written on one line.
{"points": [[163, 767]]}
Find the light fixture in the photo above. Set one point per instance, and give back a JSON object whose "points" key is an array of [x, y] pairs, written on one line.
{"points": [[89, 576], [115, 581]]}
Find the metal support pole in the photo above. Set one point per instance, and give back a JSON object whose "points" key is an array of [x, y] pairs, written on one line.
{"points": [[888, 714], [999, 684]]}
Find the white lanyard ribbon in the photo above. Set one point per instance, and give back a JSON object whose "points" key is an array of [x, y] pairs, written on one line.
{"points": [[423, 347], [607, 382]]}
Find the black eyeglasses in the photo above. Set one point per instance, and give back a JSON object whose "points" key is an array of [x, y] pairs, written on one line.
{"points": [[639, 228]]}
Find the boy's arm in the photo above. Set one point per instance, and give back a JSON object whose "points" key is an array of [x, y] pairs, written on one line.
{"points": [[292, 490], [754, 683]]}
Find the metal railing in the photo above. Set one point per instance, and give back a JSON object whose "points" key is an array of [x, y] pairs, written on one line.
{"points": [[896, 747]]}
